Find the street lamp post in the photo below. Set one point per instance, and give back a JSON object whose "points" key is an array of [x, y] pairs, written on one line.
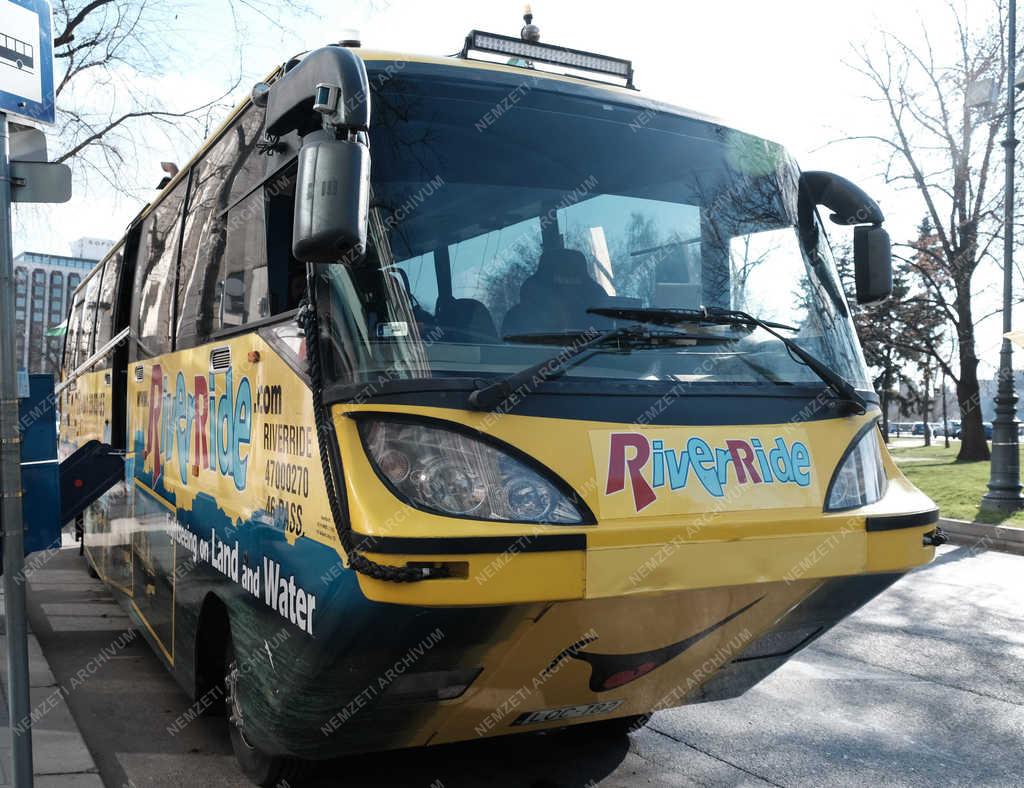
{"points": [[1004, 488]]}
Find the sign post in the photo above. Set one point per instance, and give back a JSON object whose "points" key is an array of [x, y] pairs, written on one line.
{"points": [[26, 91], [10, 492]]}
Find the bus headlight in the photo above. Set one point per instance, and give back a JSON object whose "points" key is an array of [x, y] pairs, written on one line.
{"points": [[860, 478], [455, 473]]}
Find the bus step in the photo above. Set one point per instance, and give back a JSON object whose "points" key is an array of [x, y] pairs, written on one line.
{"points": [[84, 476]]}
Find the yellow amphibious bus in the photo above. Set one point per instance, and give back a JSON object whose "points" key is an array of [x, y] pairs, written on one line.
{"points": [[456, 397]]}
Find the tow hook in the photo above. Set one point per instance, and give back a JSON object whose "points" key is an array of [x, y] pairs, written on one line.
{"points": [[935, 538]]}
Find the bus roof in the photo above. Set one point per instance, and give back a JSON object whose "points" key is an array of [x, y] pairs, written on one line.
{"points": [[627, 95], [371, 56]]}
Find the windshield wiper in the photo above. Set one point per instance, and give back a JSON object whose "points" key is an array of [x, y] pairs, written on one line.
{"points": [[668, 317], [491, 396], [733, 317]]}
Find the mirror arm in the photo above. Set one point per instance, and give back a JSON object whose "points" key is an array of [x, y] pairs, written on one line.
{"points": [[334, 79], [849, 203]]}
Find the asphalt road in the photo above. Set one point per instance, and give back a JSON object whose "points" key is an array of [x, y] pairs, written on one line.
{"points": [[924, 686]]}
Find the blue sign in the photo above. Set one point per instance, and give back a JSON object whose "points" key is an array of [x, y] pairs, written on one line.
{"points": [[26, 60]]}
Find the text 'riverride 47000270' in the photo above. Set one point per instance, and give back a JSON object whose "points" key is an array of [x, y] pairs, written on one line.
{"points": [[420, 421]]}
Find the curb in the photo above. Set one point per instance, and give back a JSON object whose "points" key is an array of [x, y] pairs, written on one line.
{"points": [[984, 536]]}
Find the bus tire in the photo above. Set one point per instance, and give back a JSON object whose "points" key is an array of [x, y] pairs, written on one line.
{"points": [[210, 649], [264, 770]]}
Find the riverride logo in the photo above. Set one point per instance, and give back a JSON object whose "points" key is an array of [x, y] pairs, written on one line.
{"points": [[208, 425], [651, 466]]}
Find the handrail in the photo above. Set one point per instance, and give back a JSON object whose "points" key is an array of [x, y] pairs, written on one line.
{"points": [[90, 362]]}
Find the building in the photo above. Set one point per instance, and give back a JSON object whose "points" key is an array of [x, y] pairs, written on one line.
{"points": [[43, 287], [989, 388], [90, 248]]}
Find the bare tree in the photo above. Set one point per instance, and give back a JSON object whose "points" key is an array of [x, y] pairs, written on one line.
{"points": [[108, 54], [945, 150]]}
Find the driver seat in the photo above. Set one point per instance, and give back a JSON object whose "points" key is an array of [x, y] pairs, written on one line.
{"points": [[556, 296]]}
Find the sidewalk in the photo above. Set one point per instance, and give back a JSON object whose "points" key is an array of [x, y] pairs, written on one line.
{"points": [[60, 757]]}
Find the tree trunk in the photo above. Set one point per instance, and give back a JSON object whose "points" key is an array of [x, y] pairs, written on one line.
{"points": [[926, 407], [945, 415], [973, 444]]}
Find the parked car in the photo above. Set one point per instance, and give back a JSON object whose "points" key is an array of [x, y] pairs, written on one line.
{"points": [[953, 429], [919, 428], [985, 425]]}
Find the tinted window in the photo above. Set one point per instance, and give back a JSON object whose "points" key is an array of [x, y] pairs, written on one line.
{"points": [[86, 333], [155, 274], [243, 294], [419, 278], [564, 206], [229, 171], [105, 306], [71, 342]]}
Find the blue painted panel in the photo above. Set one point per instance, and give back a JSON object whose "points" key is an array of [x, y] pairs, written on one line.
{"points": [[40, 471]]}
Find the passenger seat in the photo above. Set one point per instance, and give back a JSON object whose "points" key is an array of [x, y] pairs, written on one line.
{"points": [[465, 320]]}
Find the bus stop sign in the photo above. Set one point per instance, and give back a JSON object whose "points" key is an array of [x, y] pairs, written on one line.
{"points": [[26, 60]]}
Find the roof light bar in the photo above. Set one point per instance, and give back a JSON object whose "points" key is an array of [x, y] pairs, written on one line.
{"points": [[480, 41]]}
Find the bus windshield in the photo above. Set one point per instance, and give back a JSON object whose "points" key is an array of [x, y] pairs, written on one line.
{"points": [[501, 213]]}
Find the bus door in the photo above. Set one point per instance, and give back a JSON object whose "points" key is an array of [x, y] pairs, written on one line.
{"points": [[114, 545], [122, 309], [101, 390], [145, 547]]}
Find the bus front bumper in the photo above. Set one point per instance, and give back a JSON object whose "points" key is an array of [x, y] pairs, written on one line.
{"points": [[542, 566]]}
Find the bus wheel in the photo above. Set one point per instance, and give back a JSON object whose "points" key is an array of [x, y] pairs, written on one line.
{"points": [[264, 770]]}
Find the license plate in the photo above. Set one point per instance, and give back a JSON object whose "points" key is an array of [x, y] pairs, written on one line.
{"points": [[567, 712]]}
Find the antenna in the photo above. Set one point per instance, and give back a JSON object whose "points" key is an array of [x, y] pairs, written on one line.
{"points": [[530, 31]]}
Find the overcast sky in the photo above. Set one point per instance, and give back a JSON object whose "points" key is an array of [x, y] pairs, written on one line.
{"points": [[774, 69]]}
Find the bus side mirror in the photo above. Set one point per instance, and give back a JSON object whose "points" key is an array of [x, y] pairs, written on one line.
{"points": [[851, 205], [872, 262], [332, 194], [324, 97]]}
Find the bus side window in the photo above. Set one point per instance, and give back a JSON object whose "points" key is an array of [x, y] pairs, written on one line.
{"points": [[225, 174], [155, 272], [71, 339], [245, 294], [87, 330], [286, 275], [105, 307]]}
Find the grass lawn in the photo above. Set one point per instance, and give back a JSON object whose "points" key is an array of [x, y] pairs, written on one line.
{"points": [[955, 486]]}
